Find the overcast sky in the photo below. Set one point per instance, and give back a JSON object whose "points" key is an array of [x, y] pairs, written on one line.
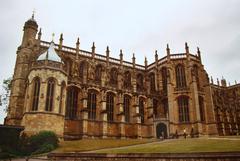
{"points": [[136, 26]]}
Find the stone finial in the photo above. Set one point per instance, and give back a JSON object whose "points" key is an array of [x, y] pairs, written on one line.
{"points": [[78, 42], [156, 55], [107, 51], [212, 80], [235, 82], [146, 62], [77, 47], [93, 47], [223, 82], [199, 54], [121, 56], [218, 82], [40, 34], [60, 41], [93, 50], [186, 47], [168, 50], [133, 60]]}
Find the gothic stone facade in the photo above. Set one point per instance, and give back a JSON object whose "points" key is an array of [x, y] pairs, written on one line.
{"points": [[92, 95]]}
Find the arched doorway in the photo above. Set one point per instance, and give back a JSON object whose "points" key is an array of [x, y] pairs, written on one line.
{"points": [[161, 130]]}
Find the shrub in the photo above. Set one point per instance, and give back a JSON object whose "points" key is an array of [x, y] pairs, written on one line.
{"points": [[42, 142]]}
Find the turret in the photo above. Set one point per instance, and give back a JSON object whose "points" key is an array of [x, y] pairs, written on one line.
{"points": [[29, 31]]}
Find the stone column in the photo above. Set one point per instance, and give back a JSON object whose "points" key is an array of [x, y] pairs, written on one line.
{"points": [[151, 117], [172, 110], [104, 115], [85, 114], [121, 116], [137, 119], [197, 110]]}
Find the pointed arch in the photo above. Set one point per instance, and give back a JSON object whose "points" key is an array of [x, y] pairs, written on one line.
{"points": [[127, 80], [180, 76], [113, 75], [36, 93], [110, 106], [164, 79], [140, 79], [126, 107], [83, 69], [141, 101], [92, 104], [98, 73], [201, 108], [50, 94], [152, 82], [72, 102], [183, 108]]}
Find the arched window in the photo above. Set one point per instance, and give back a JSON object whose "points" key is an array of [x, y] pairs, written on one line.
{"points": [[164, 79], [63, 86], [110, 106], [141, 109], [126, 107], [98, 73], [82, 69], [91, 105], [113, 77], [155, 107], [127, 80], [201, 108], [180, 76], [183, 108], [139, 82], [152, 82], [50, 94], [72, 102], [195, 70], [36, 92]]}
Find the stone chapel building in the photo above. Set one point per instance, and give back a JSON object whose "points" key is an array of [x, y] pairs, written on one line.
{"points": [[79, 94]]}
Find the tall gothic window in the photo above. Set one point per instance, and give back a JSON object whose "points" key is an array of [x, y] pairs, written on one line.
{"points": [[195, 69], [98, 73], [91, 105], [126, 107], [164, 79], [139, 82], [201, 108], [141, 109], [63, 86], [152, 82], [183, 108], [180, 76], [155, 107], [36, 92], [110, 106], [127, 80], [113, 77], [82, 69], [50, 94], [72, 102]]}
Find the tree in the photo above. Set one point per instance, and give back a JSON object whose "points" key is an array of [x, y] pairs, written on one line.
{"points": [[4, 97]]}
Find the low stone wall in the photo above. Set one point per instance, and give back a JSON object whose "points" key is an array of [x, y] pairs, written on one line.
{"points": [[210, 156]]}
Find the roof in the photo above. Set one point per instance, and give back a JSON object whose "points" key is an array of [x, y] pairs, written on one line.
{"points": [[50, 54]]}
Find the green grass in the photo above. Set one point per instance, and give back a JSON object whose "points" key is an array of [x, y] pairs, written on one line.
{"points": [[182, 146], [94, 144]]}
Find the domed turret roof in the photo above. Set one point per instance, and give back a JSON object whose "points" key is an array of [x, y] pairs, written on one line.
{"points": [[50, 54], [31, 22]]}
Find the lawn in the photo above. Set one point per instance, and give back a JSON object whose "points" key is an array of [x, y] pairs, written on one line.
{"points": [[94, 144], [182, 146]]}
